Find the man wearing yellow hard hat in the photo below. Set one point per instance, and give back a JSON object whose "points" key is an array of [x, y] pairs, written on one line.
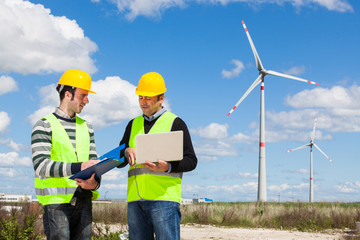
{"points": [[154, 189], [63, 144]]}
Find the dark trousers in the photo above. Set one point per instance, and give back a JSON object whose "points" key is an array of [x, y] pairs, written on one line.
{"points": [[67, 221]]}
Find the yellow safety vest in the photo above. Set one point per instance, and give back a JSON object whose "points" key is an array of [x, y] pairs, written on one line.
{"points": [[57, 190], [144, 184]]}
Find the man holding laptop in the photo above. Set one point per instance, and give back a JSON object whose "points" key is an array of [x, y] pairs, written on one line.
{"points": [[154, 187]]}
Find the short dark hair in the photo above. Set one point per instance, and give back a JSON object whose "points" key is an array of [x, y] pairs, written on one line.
{"points": [[159, 96], [64, 90]]}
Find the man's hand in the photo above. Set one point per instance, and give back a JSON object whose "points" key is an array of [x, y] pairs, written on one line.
{"points": [[88, 164], [131, 155], [89, 183], [160, 166]]}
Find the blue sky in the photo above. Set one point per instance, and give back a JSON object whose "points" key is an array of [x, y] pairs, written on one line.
{"points": [[202, 51]]}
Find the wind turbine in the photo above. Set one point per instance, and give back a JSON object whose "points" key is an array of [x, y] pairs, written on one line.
{"points": [[311, 144], [262, 196]]}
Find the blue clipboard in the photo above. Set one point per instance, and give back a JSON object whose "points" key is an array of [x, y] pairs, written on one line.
{"points": [[108, 161]]}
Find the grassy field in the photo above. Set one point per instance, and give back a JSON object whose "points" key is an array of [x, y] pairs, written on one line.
{"points": [[288, 215], [300, 216]]}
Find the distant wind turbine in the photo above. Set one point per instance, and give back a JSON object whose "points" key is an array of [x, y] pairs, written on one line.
{"points": [[311, 144], [262, 197]]}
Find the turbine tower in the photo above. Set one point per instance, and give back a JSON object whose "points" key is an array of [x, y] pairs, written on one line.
{"points": [[311, 144], [262, 196]]}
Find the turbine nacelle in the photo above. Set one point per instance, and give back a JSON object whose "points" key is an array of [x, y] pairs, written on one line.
{"points": [[263, 72]]}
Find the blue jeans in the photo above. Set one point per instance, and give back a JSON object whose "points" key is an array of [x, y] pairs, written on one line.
{"points": [[148, 217], [65, 221]]}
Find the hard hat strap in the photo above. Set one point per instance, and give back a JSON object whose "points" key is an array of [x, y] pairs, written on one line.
{"points": [[61, 88]]}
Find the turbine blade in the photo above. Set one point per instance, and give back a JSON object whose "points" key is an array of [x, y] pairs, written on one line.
{"points": [[255, 83], [322, 152], [257, 58], [289, 76], [313, 133], [306, 145]]}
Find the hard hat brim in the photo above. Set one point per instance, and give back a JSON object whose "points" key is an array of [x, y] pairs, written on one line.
{"points": [[147, 94], [88, 90]]}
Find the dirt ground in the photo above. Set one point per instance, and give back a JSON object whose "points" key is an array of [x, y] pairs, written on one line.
{"points": [[206, 232], [210, 232]]}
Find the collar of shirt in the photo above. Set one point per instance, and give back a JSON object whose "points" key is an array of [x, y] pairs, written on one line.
{"points": [[60, 113], [155, 116]]}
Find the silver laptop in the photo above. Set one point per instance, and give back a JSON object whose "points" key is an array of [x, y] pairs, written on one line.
{"points": [[152, 147]]}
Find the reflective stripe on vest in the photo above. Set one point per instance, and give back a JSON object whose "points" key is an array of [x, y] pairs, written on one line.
{"points": [[56, 190], [144, 184]]}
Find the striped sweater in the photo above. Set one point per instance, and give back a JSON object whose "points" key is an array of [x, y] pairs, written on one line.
{"points": [[41, 147]]}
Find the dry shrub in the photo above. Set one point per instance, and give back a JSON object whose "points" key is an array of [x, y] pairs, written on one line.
{"points": [[288, 215], [110, 213], [229, 217], [302, 218], [197, 213], [21, 222]]}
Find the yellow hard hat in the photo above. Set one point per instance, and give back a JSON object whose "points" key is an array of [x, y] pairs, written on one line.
{"points": [[76, 78], [151, 84]]}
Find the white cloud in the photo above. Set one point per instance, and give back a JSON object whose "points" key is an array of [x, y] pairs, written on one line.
{"points": [[12, 159], [247, 175], [207, 158], [337, 109], [40, 113], [49, 95], [114, 175], [298, 70], [233, 189], [335, 98], [212, 131], [288, 187], [242, 138], [186, 189], [301, 171], [114, 102], [9, 172], [4, 121], [286, 134], [13, 145], [239, 66], [34, 41], [348, 187], [135, 8], [7, 84], [293, 120], [291, 125], [332, 5], [237, 175], [114, 187], [214, 148]]}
